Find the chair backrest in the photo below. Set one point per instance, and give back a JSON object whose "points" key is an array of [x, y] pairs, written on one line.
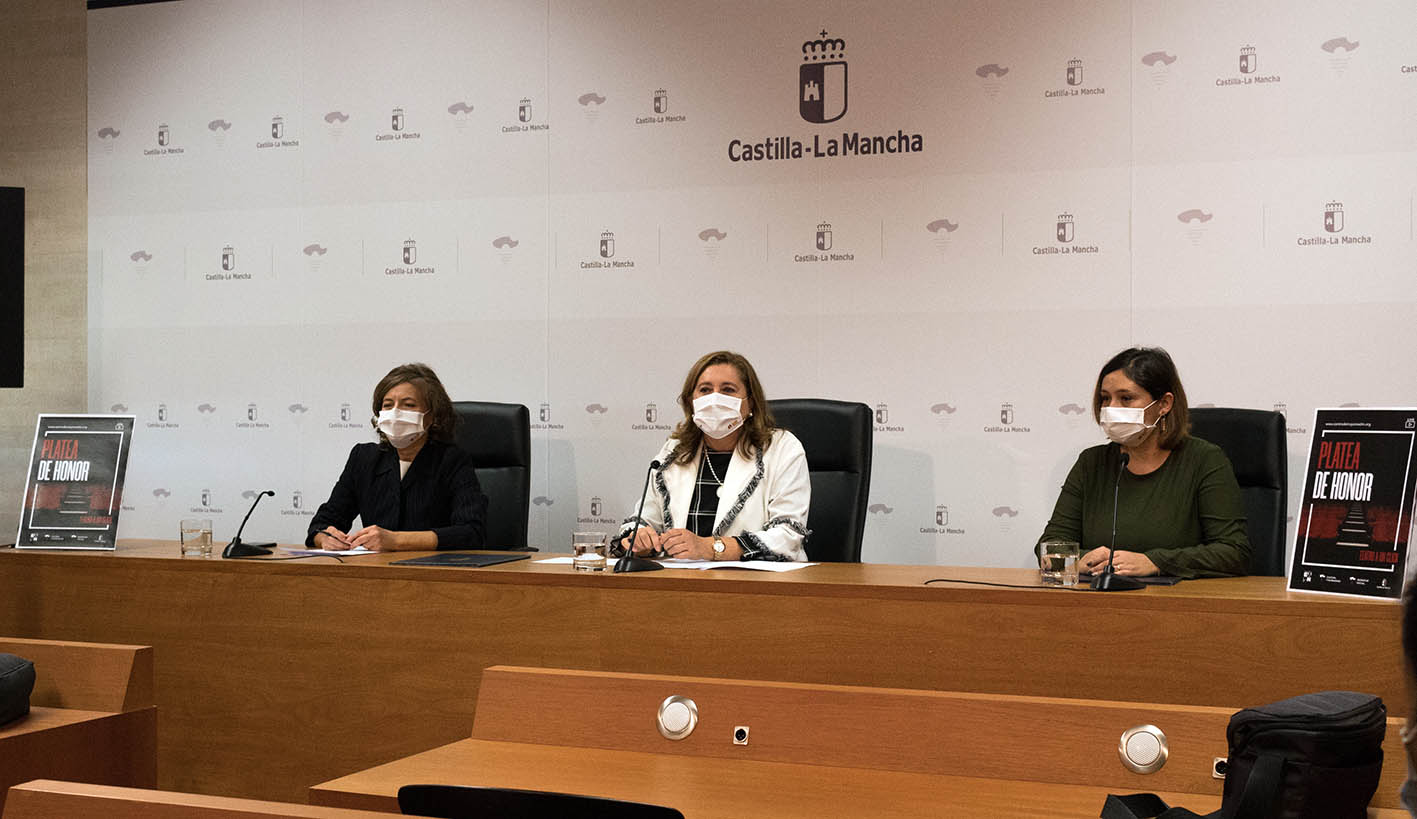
{"points": [[498, 437], [462, 802], [837, 438], [1255, 442]]}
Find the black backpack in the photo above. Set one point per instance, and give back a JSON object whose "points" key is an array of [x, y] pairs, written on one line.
{"points": [[16, 683], [1316, 756]]}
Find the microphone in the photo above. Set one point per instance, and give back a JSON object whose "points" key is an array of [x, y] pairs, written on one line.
{"points": [[1107, 581], [630, 563], [238, 549]]}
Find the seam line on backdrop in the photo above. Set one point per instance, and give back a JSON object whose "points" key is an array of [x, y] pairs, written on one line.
{"points": [[550, 271]]}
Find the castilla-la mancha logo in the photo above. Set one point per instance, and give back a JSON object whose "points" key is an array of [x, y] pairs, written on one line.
{"points": [[821, 80], [822, 98]]}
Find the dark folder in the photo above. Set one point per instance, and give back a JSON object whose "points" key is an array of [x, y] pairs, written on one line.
{"points": [[459, 559]]}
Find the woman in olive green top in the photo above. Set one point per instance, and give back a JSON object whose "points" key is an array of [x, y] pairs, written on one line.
{"points": [[1178, 507]]}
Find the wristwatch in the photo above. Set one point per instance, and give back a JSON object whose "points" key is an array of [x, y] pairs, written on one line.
{"points": [[717, 547]]}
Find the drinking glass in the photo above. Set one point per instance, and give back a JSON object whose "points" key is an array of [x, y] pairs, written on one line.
{"points": [[196, 536], [1058, 562], [589, 549]]}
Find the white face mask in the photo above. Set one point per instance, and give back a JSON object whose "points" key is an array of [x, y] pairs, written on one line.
{"points": [[402, 427], [718, 414], [1125, 425]]}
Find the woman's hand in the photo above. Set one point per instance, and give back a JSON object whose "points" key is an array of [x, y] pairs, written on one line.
{"points": [[685, 544], [647, 542], [333, 540], [375, 539], [1132, 564]]}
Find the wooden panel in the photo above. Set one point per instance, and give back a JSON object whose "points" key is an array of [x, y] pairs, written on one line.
{"points": [[88, 746], [87, 676], [49, 799], [731, 789], [258, 671], [976, 735], [43, 149]]}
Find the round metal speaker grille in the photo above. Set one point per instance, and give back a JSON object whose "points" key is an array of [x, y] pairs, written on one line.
{"points": [[1143, 749], [677, 717]]}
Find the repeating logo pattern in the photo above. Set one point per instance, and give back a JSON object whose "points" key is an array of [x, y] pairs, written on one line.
{"points": [[955, 213]]}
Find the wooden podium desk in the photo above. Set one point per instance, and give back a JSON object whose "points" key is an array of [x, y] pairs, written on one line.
{"points": [[275, 675]]}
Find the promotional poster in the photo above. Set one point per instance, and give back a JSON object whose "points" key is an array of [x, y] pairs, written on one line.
{"points": [[74, 488], [1355, 516]]}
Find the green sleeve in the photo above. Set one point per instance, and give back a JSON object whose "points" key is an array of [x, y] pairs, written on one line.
{"points": [[1066, 522], [1224, 550]]}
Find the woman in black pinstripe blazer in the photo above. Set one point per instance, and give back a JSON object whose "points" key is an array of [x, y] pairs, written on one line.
{"points": [[414, 490]]}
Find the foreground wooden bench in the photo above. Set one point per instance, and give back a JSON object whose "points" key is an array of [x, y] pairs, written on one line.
{"points": [[92, 716], [810, 751], [48, 799]]}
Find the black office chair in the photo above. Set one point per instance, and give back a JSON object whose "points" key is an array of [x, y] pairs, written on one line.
{"points": [[498, 437], [1255, 443], [462, 802], [837, 438]]}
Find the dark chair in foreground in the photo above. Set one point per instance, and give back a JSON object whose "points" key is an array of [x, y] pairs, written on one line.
{"points": [[1254, 441], [498, 437], [460, 802], [837, 438]]}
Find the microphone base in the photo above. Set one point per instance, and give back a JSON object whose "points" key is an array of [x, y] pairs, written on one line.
{"points": [[238, 549], [1111, 581], [635, 564]]}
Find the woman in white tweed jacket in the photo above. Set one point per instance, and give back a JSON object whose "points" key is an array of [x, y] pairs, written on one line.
{"points": [[729, 485]]}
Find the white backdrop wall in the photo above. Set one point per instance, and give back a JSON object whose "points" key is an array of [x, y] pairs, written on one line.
{"points": [[1083, 176]]}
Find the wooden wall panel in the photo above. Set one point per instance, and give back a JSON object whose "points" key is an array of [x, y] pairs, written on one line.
{"points": [[43, 149]]}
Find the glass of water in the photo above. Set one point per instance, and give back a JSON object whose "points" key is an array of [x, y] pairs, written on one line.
{"points": [[589, 549], [1058, 562], [196, 537]]}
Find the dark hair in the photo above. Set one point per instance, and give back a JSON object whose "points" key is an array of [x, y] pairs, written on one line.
{"points": [[440, 419], [1153, 370], [757, 429]]}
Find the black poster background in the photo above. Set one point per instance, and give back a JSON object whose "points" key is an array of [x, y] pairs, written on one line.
{"points": [[1358, 547], [79, 513]]}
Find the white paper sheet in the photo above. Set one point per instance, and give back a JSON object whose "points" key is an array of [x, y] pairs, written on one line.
{"points": [[290, 550], [677, 563]]}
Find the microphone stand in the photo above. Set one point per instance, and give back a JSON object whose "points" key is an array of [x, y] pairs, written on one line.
{"points": [[1108, 580], [238, 549], [630, 563]]}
